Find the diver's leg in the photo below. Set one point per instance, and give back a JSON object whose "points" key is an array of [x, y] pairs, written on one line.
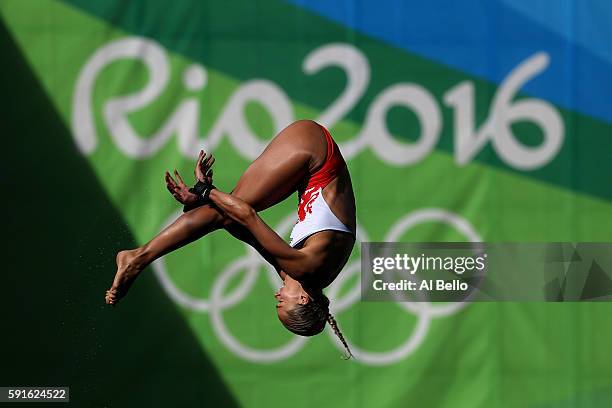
{"points": [[187, 228], [291, 156], [274, 175]]}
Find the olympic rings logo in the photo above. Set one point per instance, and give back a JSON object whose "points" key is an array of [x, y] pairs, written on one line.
{"points": [[252, 261]]}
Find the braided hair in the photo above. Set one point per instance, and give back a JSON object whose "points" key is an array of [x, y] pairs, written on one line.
{"points": [[334, 325], [310, 319]]}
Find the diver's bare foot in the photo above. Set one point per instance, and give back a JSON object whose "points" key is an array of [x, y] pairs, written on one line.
{"points": [[128, 270]]}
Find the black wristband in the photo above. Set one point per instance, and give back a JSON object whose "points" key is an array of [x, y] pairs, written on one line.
{"points": [[202, 190], [199, 188], [206, 194]]}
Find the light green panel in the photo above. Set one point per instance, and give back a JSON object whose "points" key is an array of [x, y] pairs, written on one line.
{"points": [[479, 356]]}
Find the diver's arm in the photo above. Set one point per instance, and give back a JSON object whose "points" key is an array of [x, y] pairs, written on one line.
{"points": [[240, 232], [295, 263]]}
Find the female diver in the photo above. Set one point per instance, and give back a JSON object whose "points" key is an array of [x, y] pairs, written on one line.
{"points": [[303, 157]]}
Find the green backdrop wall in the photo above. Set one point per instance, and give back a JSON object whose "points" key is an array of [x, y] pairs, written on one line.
{"points": [[101, 97]]}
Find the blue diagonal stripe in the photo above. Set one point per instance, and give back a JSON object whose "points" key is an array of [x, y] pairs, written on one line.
{"points": [[489, 38]]}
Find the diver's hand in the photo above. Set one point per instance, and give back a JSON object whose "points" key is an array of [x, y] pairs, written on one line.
{"points": [[179, 190], [203, 169]]}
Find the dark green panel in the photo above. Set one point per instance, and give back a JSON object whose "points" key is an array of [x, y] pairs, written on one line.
{"points": [[60, 234]]}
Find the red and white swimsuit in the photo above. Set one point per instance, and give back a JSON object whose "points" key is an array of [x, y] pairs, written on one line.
{"points": [[314, 215]]}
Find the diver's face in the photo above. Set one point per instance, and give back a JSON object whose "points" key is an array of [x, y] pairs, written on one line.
{"points": [[288, 296]]}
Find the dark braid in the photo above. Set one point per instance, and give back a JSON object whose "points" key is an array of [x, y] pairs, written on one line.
{"points": [[334, 325]]}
